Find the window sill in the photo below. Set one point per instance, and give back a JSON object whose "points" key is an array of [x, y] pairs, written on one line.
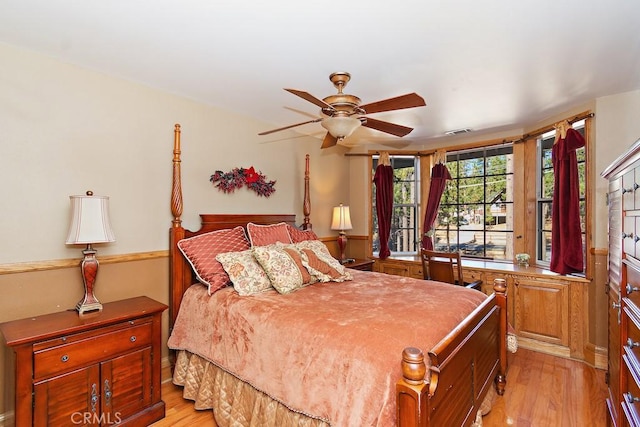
{"points": [[504, 267]]}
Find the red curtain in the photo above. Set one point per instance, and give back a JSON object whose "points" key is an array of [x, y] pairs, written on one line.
{"points": [[566, 236], [383, 179], [439, 176]]}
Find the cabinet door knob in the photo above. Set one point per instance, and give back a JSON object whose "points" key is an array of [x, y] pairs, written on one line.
{"points": [[107, 393], [615, 305], [631, 343], [631, 398], [133, 338], [630, 288]]}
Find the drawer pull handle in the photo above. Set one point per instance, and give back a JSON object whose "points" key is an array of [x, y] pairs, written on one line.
{"points": [[94, 397], [631, 343], [107, 393], [631, 288], [635, 186], [636, 238], [64, 358], [630, 398], [625, 235], [615, 305], [133, 338]]}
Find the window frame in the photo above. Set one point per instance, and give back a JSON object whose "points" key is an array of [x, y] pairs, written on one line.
{"points": [[415, 206]]}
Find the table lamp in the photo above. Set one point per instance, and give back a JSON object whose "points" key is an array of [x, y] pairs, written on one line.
{"points": [[341, 221], [89, 224]]}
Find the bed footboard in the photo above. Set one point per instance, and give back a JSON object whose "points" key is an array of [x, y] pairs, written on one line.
{"points": [[462, 367]]}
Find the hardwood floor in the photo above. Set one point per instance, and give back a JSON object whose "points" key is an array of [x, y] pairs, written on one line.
{"points": [[542, 391]]}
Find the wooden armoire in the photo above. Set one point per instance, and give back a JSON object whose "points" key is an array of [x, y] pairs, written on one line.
{"points": [[623, 375]]}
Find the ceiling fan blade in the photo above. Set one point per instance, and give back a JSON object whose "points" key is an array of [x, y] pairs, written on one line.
{"points": [[290, 126], [329, 141], [387, 127], [409, 100], [308, 97]]}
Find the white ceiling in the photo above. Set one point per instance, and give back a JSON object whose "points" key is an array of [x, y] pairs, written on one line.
{"points": [[484, 65]]}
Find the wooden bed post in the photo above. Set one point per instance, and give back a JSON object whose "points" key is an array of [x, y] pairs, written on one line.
{"points": [[176, 232], [411, 393], [500, 288], [306, 204]]}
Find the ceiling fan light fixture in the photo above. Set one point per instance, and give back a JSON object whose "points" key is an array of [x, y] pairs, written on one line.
{"points": [[340, 127]]}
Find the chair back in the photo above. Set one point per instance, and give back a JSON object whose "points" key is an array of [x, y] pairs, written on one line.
{"points": [[441, 266]]}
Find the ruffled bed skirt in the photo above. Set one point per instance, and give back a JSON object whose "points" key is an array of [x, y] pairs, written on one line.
{"points": [[234, 402]]}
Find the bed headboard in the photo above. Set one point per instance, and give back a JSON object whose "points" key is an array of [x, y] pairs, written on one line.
{"points": [[181, 276]]}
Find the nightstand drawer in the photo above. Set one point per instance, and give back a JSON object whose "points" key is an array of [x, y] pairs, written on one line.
{"points": [[89, 347]]}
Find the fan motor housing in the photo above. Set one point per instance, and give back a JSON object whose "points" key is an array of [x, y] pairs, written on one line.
{"points": [[343, 102]]}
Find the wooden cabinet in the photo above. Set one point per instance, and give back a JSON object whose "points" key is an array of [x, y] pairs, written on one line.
{"points": [[96, 369], [545, 309], [623, 375], [399, 267]]}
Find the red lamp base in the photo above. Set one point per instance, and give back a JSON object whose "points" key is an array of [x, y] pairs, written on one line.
{"points": [[89, 269], [342, 245]]}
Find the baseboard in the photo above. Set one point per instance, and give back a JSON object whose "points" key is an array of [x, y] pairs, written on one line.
{"points": [[7, 419], [596, 356], [593, 356], [166, 370]]}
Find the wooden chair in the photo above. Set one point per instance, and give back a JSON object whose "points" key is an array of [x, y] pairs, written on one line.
{"points": [[445, 267]]}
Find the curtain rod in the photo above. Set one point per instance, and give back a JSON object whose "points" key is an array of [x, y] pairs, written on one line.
{"points": [[504, 141], [550, 128]]}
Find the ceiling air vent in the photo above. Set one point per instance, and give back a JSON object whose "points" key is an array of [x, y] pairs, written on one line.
{"points": [[457, 131]]}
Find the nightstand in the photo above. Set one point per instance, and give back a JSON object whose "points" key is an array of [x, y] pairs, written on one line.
{"points": [[360, 264], [102, 368]]}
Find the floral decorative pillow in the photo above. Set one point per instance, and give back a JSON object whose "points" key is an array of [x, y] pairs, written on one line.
{"points": [[246, 274], [262, 235], [298, 235], [201, 252], [321, 264], [284, 265]]}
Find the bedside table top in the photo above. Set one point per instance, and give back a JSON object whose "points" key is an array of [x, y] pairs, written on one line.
{"points": [[360, 264], [23, 331]]}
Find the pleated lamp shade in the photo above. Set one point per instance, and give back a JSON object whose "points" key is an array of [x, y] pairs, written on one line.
{"points": [[90, 221]]}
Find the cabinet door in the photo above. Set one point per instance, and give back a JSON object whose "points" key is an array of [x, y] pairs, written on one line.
{"points": [[126, 385], [542, 310], [69, 399]]}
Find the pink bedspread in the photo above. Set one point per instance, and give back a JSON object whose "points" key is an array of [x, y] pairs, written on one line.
{"points": [[330, 350]]}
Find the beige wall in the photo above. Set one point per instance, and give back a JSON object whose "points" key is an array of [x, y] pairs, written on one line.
{"points": [[66, 130]]}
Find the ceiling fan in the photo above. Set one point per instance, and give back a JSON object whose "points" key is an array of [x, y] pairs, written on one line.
{"points": [[342, 113]]}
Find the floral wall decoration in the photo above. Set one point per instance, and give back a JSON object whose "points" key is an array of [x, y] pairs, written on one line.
{"points": [[227, 182]]}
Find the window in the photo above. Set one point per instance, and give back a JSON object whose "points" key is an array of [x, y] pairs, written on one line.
{"points": [[545, 192], [476, 209], [406, 208]]}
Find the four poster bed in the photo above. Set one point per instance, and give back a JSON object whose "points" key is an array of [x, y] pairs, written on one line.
{"points": [[341, 352]]}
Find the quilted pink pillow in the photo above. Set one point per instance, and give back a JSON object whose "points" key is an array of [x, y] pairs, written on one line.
{"points": [[298, 235], [201, 253], [262, 235]]}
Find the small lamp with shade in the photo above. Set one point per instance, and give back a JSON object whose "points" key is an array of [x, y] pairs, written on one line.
{"points": [[341, 221], [90, 224]]}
